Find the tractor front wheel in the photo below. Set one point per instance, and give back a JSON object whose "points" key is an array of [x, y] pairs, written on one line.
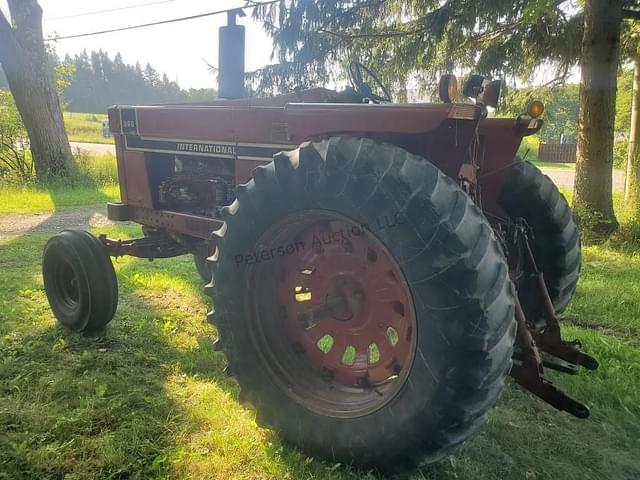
{"points": [[363, 304], [79, 281], [202, 266]]}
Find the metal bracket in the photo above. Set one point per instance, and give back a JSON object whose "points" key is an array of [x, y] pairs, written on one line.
{"points": [[535, 350], [154, 246], [197, 226], [528, 372], [555, 363], [551, 342], [550, 339], [547, 391]]}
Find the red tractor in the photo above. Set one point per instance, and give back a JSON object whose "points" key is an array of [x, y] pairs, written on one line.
{"points": [[377, 270]]}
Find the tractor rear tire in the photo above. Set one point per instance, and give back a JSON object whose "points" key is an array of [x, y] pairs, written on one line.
{"points": [[457, 354], [531, 195], [79, 281]]}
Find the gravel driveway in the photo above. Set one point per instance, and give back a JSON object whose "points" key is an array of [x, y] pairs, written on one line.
{"points": [[564, 177], [94, 148], [15, 225]]}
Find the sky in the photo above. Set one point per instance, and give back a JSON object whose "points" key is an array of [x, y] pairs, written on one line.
{"points": [[178, 49]]}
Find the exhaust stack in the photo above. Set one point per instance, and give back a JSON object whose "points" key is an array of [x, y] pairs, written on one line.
{"points": [[231, 57]]}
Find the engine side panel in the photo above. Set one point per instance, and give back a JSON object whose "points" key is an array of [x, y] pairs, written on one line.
{"points": [[189, 158]]}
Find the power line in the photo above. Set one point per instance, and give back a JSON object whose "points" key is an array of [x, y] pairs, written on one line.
{"points": [[162, 22], [107, 11]]}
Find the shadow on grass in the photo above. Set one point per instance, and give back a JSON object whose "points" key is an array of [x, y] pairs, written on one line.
{"points": [[148, 399], [77, 406]]}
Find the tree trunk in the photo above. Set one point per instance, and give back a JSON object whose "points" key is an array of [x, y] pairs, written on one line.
{"points": [[30, 77], [632, 178], [600, 49]]}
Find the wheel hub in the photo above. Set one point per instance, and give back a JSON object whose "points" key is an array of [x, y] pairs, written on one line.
{"points": [[68, 285], [346, 304], [344, 309]]}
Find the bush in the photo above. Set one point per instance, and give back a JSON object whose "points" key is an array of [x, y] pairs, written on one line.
{"points": [[627, 237], [15, 158], [94, 171], [99, 170], [528, 149]]}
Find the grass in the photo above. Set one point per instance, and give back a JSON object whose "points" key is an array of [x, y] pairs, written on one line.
{"points": [[626, 238], [147, 399], [529, 148], [541, 164], [36, 200], [95, 182], [85, 127]]}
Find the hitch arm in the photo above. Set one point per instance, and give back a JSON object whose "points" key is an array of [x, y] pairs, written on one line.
{"points": [[528, 372], [534, 349], [550, 339]]}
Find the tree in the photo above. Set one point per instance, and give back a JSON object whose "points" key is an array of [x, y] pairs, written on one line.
{"points": [[97, 81], [631, 52], [25, 62], [3, 79], [560, 112], [632, 179], [415, 39], [151, 75], [594, 158]]}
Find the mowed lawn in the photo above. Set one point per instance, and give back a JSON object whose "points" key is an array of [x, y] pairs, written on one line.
{"points": [[38, 200], [148, 399], [85, 127], [95, 182]]}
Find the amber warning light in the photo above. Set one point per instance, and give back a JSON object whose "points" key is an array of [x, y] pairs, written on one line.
{"points": [[535, 109]]}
